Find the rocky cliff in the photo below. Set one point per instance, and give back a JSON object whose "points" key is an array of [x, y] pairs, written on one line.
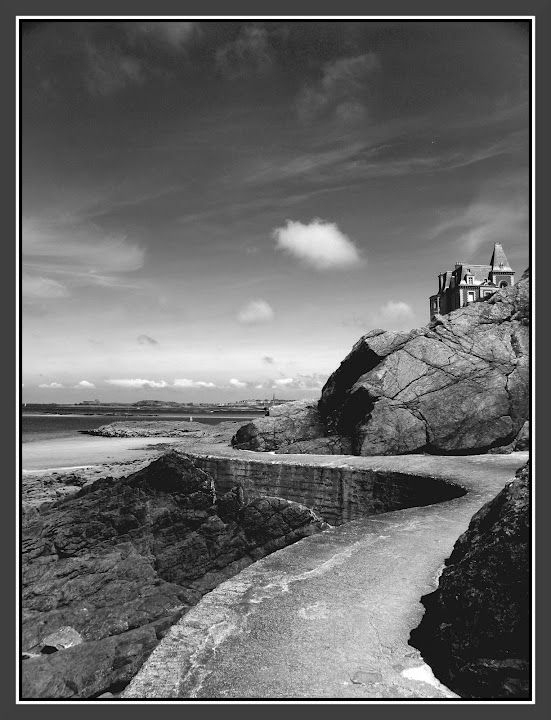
{"points": [[107, 571], [475, 633], [457, 386]]}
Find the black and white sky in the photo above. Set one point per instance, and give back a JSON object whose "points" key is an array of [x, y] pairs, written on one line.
{"points": [[218, 210]]}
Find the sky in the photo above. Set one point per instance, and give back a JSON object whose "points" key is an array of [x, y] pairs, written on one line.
{"points": [[219, 210]]}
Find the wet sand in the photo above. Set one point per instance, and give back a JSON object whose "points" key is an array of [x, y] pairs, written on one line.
{"points": [[66, 454]]}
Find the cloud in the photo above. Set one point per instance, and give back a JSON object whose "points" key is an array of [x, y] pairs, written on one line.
{"points": [[255, 312], [84, 384], [249, 54], [395, 311], [393, 315], [81, 253], [268, 360], [482, 224], [234, 382], [171, 35], [51, 386], [318, 244], [301, 382], [343, 90], [110, 69], [35, 287], [146, 340], [138, 383], [187, 383]]}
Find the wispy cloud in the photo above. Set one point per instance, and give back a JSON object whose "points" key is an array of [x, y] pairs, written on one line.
{"points": [[110, 69], [249, 54], [255, 312], [268, 359], [36, 287], [173, 35], [187, 383], [85, 385], [146, 340], [138, 383], [482, 224], [51, 385], [318, 244], [81, 253], [343, 90]]}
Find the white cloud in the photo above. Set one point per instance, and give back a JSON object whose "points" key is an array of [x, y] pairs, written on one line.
{"points": [[138, 383], [35, 288], [301, 382], [187, 383], [318, 243], [393, 315], [254, 312], [342, 89], [52, 385], [234, 382], [85, 384]]}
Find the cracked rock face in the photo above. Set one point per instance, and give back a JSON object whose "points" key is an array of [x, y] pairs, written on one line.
{"points": [[107, 571], [458, 385], [475, 633]]}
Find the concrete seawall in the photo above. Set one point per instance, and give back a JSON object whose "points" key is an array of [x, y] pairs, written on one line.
{"points": [[335, 488]]}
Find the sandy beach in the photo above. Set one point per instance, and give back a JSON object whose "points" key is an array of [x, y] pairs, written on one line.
{"points": [[66, 454]]}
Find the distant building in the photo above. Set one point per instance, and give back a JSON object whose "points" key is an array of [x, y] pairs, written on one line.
{"points": [[467, 283]]}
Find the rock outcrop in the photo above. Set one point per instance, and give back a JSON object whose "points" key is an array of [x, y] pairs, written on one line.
{"points": [[475, 633], [457, 386], [107, 571]]}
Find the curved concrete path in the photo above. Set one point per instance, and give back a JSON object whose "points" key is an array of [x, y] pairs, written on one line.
{"points": [[330, 616]]}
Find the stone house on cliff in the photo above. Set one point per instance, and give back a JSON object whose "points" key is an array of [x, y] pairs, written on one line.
{"points": [[467, 283]]}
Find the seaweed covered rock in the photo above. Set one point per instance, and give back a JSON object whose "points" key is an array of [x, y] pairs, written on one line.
{"points": [[475, 633]]}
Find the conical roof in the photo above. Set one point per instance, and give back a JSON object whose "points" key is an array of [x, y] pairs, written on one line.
{"points": [[499, 261]]}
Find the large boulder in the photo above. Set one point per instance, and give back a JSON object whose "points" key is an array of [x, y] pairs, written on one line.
{"points": [[107, 571], [290, 427], [475, 633], [457, 386]]}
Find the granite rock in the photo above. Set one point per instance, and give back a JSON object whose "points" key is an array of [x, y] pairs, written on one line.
{"points": [[459, 385], [476, 630]]}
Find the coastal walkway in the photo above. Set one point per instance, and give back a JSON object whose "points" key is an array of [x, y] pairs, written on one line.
{"points": [[330, 616]]}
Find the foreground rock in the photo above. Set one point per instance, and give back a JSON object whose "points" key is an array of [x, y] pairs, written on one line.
{"points": [[109, 570], [475, 633], [456, 386]]}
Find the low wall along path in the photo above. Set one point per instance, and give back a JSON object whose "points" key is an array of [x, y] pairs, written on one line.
{"points": [[330, 616]]}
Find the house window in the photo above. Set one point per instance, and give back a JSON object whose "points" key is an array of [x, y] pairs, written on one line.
{"points": [[469, 280], [503, 284], [470, 297]]}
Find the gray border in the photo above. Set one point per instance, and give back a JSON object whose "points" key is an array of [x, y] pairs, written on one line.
{"points": [[9, 9]]}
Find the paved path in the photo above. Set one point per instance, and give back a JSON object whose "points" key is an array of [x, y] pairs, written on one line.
{"points": [[330, 616]]}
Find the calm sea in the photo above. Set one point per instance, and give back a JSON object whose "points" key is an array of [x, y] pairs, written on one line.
{"points": [[35, 426]]}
